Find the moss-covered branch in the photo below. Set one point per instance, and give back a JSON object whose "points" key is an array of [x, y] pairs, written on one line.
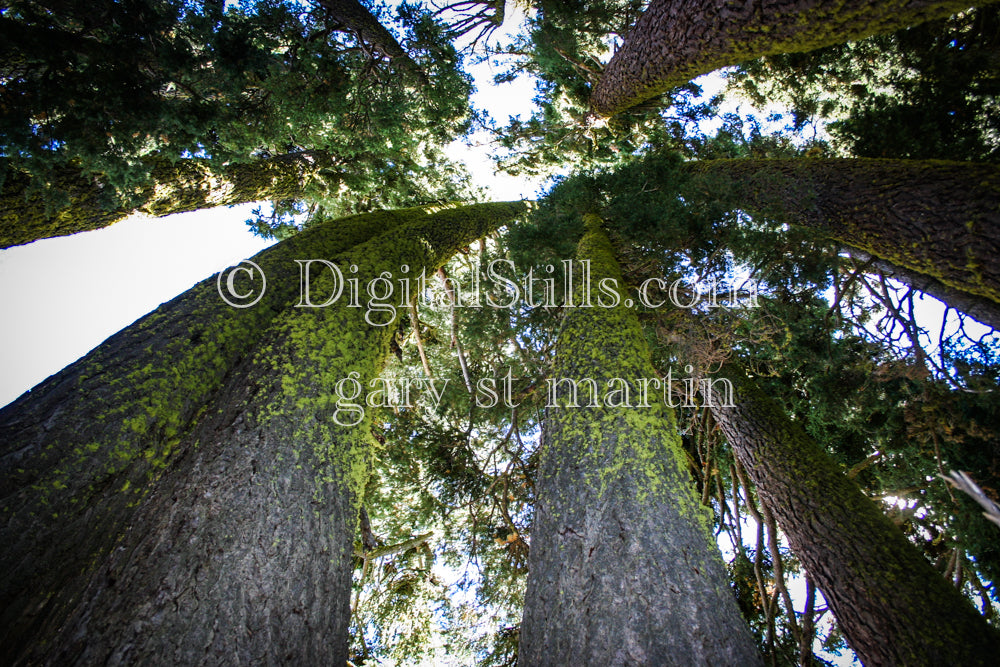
{"points": [[29, 213], [675, 41], [979, 308], [934, 218]]}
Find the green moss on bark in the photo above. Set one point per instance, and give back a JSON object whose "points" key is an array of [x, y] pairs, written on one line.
{"points": [[620, 539], [675, 41], [935, 218], [91, 447], [29, 211]]}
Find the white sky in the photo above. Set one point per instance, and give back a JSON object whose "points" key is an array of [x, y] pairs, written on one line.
{"points": [[59, 298]]}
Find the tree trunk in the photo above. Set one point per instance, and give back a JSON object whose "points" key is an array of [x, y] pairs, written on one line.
{"points": [[182, 494], [356, 17], [891, 604], [623, 568], [186, 185], [982, 310], [937, 219], [675, 41]]}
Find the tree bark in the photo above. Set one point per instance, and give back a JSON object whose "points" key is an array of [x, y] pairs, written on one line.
{"points": [[623, 568], [983, 310], [186, 185], [675, 41], [933, 218], [182, 494], [356, 17], [891, 604]]}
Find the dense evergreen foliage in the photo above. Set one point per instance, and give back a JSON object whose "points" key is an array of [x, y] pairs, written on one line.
{"points": [[929, 91], [110, 91]]}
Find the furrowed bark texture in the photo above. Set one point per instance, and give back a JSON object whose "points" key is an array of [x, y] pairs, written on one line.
{"points": [[187, 185], [623, 569], [938, 219], [183, 495], [675, 41], [891, 604], [119, 413]]}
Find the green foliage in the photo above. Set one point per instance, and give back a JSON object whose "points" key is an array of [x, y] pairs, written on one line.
{"points": [[462, 470], [683, 220], [921, 93], [565, 50], [104, 89], [109, 89], [422, 178], [889, 422]]}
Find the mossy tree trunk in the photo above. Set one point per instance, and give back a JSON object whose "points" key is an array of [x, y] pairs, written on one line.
{"points": [[623, 568], [891, 604], [183, 494], [675, 41], [932, 218], [27, 215]]}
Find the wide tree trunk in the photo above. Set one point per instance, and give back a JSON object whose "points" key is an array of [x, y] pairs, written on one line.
{"points": [[891, 604], [623, 568], [675, 41], [186, 185], [933, 218], [183, 494]]}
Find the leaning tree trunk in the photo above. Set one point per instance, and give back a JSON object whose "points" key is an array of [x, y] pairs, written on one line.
{"points": [[934, 218], [983, 310], [891, 604], [183, 494], [675, 41], [623, 568], [186, 185], [356, 17]]}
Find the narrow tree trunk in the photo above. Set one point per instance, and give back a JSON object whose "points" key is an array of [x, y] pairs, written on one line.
{"points": [[355, 16], [891, 604], [187, 185], [983, 310], [623, 568], [183, 494], [675, 41], [937, 219]]}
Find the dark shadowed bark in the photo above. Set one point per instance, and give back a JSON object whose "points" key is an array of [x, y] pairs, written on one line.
{"points": [[184, 493], [933, 218], [623, 569], [891, 604], [355, 17], [979, 308], [186, 185], [675, 41]]}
